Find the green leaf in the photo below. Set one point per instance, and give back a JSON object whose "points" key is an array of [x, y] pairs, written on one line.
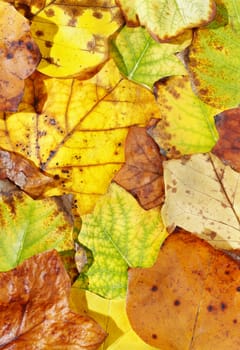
{"points": [[29, 227], [214, 58], [141, 59], [120, 234], [165, 19]]}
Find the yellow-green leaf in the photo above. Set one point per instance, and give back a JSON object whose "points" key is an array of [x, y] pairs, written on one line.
{"points": [[141, 59], [187, 124], [120, 234], [165, 19], [29, 227], [78, 134], [111, 315]]}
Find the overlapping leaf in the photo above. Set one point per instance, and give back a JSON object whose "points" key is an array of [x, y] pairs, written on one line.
{"points": [[165, 19], [142, 173], [78, 135], [187, 124], [203, 196], [141, 59], [29, 227], [120, 234], [19, 56], [34, 309]]}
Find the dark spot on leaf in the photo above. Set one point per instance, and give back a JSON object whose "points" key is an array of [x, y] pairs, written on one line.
{"points": [[56, 177], [49, 12], [238, 289], [97, 14], [39, 33], [154, 336], [52, 121], [223, 306], [154, 288], [235, 320], [177, 302], [29, 46], [48, 44], [210, 308], [9, 56]]}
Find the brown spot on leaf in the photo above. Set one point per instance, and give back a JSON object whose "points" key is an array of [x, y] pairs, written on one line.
{"points": [[97, 14], [49, 12]]}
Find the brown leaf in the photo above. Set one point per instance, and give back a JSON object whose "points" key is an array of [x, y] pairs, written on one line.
{"points": [[189, 299], [23, 173], [34, 311], [228, 145], [19, 56], [142, 174]]}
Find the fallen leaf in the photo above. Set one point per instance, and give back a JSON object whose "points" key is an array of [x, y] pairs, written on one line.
{"points": [[203, 196], [19, 56], [34, 309], [29, 227], [167, 19], [141, 59], [213, 58], [72, 35], [142, 173], [112, 317], [188, 299], [227, 147], [23, 173], [77, 135], [120, 234], [187, 124]]}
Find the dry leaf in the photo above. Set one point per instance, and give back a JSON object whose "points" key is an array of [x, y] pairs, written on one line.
{"points": [[34, 309], [19, 56], [189, 299], [142, 173]]}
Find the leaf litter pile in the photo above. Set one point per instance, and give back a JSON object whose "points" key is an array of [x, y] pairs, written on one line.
{"points": [[119, 175]]}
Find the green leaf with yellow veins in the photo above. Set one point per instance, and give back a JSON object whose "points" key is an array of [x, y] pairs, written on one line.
{"points": [[73, 35], [165, 19], [187, 124], [120, 234], [111, 315], [214, 58], [29, 227], [141, 59]]}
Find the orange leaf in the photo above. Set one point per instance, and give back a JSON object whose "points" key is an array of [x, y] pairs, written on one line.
{"points": [[34, 309]]}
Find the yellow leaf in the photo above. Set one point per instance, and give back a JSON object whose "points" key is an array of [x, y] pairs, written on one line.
{"points": [[111, 315], [72, 37], [78, 135]]}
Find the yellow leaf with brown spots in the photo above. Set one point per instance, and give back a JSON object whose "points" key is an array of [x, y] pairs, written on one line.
{"points": [[72, 35], [78, 132]]}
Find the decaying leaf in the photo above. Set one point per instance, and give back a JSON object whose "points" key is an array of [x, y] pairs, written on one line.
{"points": [[34, 309], [19, 56], [203, 196], [120, 234], [23, 173], [142, 173], [165, 19], [187, 124], [78, 133], [72, 35], [228, 145], [29, 227], [141, 59], [112, 317], [189, 299]]}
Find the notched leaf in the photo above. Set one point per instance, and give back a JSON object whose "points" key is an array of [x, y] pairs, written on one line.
{"points": [[19, 56], [188, 299], [142, 173], [35, 312]]}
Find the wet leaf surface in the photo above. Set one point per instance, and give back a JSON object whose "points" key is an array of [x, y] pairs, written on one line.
{"points": [[188, 299], [34, 309]]}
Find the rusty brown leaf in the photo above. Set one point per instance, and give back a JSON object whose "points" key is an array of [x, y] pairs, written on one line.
{"points": [[34, 311], [189, 299], [19, 56], [142, 173]]}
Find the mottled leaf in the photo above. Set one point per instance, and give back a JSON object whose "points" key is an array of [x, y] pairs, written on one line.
{"points": [[32, 226], [227, 147], [188, 299], [141, 59], [34, 309], [142, 173], [19, 56], [203, 196], [78, 131], [120, 234], [165, 19], [187, 124]]}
